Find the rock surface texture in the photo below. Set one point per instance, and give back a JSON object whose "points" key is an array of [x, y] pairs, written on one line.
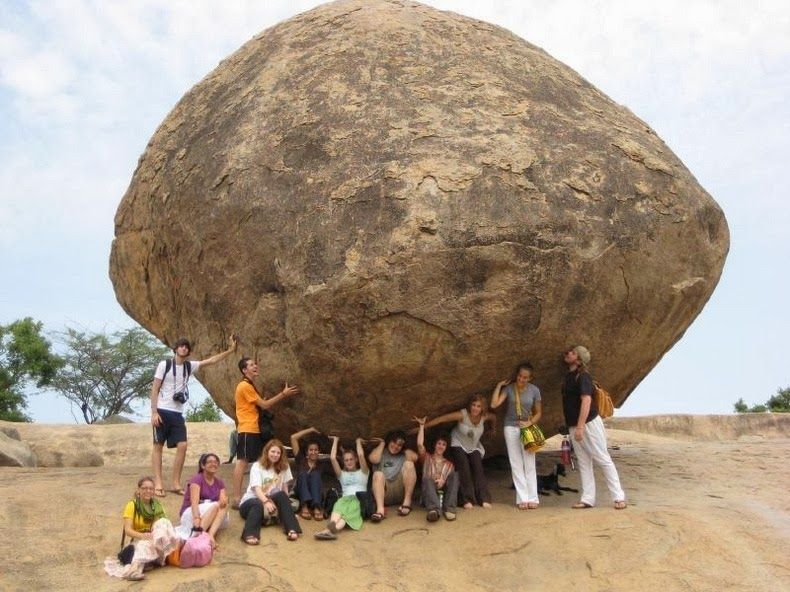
{"points": [[393, 206]]}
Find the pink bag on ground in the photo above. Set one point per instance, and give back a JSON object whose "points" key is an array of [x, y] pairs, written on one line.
{"points": [[197, 551]]}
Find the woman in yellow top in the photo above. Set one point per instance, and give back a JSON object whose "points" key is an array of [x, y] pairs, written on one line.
{"points": [[151, 533]]}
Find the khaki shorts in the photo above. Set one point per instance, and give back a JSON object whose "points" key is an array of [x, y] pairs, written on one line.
{"points": [[394, 491]]}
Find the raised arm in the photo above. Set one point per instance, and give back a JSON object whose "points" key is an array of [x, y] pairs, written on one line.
{"points": [[361, 456], [288, 391], [498, 397], [375, 455], [420, 434], [333, 456], [298, 436], [452, 416], [234, 343]]}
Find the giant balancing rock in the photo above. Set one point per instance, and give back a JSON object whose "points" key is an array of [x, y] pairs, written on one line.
{"points": [[393, 206]]}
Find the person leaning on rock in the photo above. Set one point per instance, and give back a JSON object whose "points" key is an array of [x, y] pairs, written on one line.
{"points": [[394, 475], [587, 429], [249, 406], [168, 395]]}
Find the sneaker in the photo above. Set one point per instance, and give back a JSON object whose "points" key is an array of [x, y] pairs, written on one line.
{"points": [[432, 516], [449, 516]]}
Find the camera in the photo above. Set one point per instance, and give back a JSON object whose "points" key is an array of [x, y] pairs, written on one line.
{"points": [[181, 397]]}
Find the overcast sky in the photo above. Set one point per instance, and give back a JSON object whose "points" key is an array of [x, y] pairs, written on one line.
{"points": [[84, 84]]}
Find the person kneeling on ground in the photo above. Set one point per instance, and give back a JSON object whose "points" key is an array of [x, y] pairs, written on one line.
{"points": [[151, 533], [205, 502], [394, 475], [267, 495], [439, 479], [353, 479]]}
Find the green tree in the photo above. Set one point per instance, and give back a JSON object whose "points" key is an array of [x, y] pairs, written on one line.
{"points": [[206, 411], [104, 374], [25, 358], [780, 402], [740, 406]]}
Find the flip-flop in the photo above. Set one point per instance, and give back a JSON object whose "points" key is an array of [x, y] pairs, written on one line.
{"points": [[176, 490], [581, 506], [251, 540], [292, 535], [532, 506], [159, 492], [620, 505], [318, 513], [325, 536], [404, 510], [377, 517], [305, 514]]}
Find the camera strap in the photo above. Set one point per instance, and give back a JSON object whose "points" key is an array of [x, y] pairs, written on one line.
{"points": [[171, 363]]}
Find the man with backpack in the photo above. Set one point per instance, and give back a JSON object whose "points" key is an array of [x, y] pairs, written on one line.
{"points": [[253, 422], [169, 393]]}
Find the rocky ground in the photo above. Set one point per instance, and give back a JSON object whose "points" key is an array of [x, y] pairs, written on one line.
{"points": [[708, 511]]}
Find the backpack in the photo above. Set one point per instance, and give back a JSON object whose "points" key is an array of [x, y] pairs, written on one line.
{"points": [[187, 369], [330, 497], [604, 401], [197, 550]]}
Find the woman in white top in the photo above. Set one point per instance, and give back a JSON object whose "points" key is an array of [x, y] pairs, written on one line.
{"points": [[520, 415], [353, 479], [466, 451], [268, 490]]}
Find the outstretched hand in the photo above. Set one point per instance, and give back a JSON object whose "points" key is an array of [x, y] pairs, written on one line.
{"points": [[290, 390], [420, 420]]}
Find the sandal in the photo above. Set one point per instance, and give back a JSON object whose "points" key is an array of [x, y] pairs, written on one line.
{"points": [[176, 490], [251, 540], [292, 535], [581, 506], [325, 535], [404, 510], [318, 513], [532, 506], [620, 505], [305, 513], [159, 492], [377, 517]]}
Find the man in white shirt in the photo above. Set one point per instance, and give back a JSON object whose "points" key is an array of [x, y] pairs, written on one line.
{"points": [[169, 392]]}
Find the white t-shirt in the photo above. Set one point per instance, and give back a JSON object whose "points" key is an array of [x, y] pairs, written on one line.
{"points": [[171, 385], [268, 480]]}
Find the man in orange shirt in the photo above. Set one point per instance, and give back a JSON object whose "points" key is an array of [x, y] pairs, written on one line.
{"points": [[249, 408]]}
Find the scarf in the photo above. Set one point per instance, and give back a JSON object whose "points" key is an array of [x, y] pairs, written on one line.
{"points": [[150, 513]]}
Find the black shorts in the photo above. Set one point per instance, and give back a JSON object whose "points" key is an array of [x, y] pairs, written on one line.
{"points": [[249, 447], [172, 429]]}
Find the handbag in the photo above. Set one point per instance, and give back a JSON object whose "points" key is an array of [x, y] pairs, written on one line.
{"points": [[531, 437]]}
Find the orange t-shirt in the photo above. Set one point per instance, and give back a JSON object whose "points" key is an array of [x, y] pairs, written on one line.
{"points": [[246, 409]]}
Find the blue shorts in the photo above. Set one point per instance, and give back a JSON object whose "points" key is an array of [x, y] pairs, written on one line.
{"points": [[172, 429]]}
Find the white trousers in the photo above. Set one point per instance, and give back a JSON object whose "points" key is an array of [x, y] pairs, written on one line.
{"points": [[522, 467], [184, 529], [591, 449]]}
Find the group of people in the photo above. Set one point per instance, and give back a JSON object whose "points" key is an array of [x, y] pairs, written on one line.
{"points": [[452, 471]]}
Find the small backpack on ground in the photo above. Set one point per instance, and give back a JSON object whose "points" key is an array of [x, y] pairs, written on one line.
{"points": [[604, 401], [331, 495], [197, 550]]}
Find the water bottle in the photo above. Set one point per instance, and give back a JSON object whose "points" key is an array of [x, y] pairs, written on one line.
{"points": [[565, 453], [441, 499]]}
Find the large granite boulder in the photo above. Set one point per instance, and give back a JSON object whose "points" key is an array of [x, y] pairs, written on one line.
{"points": [[14, 452], [393, 206]]}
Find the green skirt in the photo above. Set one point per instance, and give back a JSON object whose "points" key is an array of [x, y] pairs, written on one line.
{"points": [[348, 508]]}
